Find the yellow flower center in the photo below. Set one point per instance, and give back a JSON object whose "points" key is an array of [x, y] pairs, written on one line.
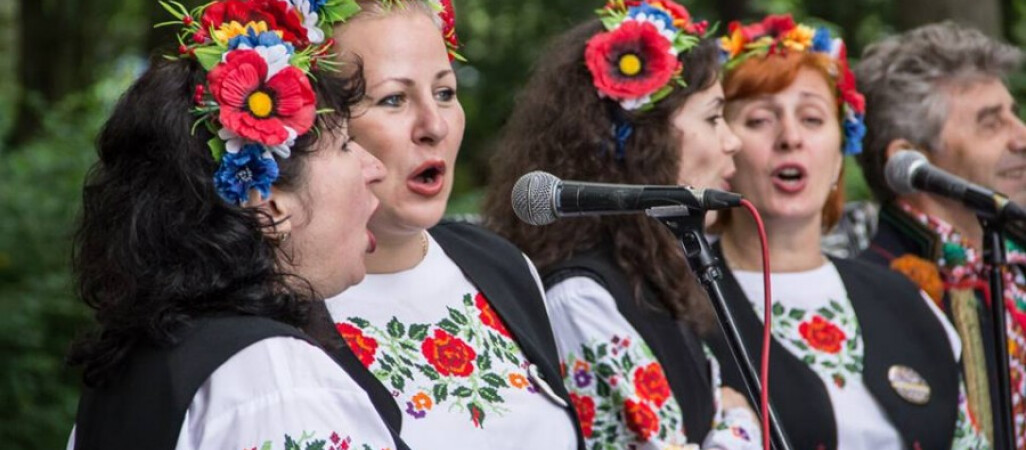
{"points": [[630, 64], [260, 104]]}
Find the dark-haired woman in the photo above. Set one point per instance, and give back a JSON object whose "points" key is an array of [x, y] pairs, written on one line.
{"points": [[625, 310], [204, 247]]}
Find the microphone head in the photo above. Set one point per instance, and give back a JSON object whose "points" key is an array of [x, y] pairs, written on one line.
{"points": [[900, 168], [533, 198]]}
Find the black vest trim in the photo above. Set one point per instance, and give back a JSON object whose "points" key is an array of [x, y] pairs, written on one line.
{"points": [[145, 408], [674, 344], [500, 271], [903, 331]]}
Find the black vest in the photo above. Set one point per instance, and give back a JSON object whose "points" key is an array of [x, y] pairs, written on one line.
{"points": [[898, 328], [146, 407], [674, 344]]}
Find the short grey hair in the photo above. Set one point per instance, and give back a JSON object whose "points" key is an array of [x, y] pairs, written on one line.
{"points": [[902, 79]]}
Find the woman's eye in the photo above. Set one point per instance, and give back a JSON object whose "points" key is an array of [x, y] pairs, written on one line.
{"points": [[393, 100], [814, 121], [445, 95], [713, 120], [756, 122], [345, 144]]}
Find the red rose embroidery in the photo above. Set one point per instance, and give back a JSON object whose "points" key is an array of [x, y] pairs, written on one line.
{"points": [[585, 407], [650, 382], [822, 335], [630, 62], [362, 345], [275, 13], [488, 315], [449, 354], [640, 419]]}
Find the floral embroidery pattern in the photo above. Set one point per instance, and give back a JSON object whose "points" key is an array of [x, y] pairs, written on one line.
{"points": [[463, 361], [961, 264], [307, 441], [827, 339], [621, 396]]}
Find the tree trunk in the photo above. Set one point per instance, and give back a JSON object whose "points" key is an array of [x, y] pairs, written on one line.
{"points": [[984, 15]]}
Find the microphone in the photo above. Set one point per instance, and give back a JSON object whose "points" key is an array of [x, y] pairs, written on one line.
{"points": [[909, 171], [539, 198]]}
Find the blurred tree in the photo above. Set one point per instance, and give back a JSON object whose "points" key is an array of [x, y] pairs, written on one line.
{"points": [[982, 14]]}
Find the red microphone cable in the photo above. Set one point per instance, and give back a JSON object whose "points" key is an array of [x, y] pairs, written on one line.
{"points": [[766, 336]]}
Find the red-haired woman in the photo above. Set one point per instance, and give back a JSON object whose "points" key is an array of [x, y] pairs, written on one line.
{"points": [[860, 357]]}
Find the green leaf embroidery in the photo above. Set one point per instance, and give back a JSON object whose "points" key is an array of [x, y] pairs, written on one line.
{"points": [[395, 328], [441, 392], [604, 370], [477, 415], [462, 391], [467, 301], [418, 331], [428, 371], [484, 362], [361, 323], [589, 355], [449, 326], [796, 314], [494, 380], [778, 309], [398, 382], [457, 316], [490, 394], [826, 313]]}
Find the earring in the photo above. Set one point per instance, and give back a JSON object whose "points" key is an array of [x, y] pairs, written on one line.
{"points": [[281, 238]]}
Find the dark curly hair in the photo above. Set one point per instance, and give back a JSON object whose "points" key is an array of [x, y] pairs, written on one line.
{"points": [[561, 126], [155, 245]]}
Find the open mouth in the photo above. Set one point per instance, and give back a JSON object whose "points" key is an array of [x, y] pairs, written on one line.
{"points": [[789, 178], [1013, 173], [427, 179]]}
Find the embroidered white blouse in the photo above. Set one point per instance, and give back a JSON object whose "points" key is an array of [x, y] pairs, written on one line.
{"points": [[813, 318], [280, 393], [622, 397], [453, 368]]}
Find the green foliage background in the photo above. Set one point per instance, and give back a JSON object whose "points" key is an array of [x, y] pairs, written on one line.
{"points": [[40, 178]]}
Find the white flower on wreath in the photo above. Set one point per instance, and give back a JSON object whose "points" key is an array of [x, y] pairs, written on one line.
{"points": [[634, 103], [660, 24], [276, 56], [233, 143], [314, 34]]}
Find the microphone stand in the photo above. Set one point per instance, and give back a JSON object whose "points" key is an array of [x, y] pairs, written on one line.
{"points": [[689, 227], [994, 258]]}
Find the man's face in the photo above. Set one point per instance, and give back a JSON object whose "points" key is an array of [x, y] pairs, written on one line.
{"points": [[983, 139]]}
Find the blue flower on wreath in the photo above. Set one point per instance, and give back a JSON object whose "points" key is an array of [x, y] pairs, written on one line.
{"points": [[250, 168], [854, 131], [315, 5], [253, 39], [658, 17], [821, 41]]}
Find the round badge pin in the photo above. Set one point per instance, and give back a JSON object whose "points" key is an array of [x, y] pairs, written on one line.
{"points": [[909, 384]]}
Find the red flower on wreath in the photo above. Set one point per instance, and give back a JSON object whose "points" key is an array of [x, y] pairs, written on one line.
{"points": [[640, 419], [261, 110], [448, 17], [585, 407], [362, 345], [488, 315], [630, 62], [449, 354], [275, 13], [822, 335], [651, 384]]}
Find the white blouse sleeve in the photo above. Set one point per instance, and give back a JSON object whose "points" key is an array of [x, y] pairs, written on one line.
{"points": [[618, 388], [282, 393]]}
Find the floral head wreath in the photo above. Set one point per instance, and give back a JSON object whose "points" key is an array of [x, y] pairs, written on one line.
{"points": [[777, 34], [634, 62], [257, 98]]}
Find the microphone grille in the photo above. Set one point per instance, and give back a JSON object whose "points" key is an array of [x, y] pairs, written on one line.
{"points": [[899, 169], [533, 198]]}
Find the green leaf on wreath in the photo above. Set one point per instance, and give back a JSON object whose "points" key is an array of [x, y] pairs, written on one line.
{"points": [[208, 57], [395, 328], [441, 392], [449, 326], [428, 371], [494, 380], [490, 394], [457, 316], [418, 331], [398, 382], [361, 323], [796, 314], [462, 391]]}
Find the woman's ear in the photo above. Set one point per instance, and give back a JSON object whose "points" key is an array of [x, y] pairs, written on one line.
{"points": [[899, 144], [277, 208]]}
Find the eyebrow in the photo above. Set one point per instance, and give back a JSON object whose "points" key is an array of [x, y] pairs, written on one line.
{"points": [[988, 112], [716, 102], [409, 81]]}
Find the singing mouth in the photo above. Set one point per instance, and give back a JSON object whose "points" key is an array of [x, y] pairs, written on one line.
{"points": [[427, 179]]}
